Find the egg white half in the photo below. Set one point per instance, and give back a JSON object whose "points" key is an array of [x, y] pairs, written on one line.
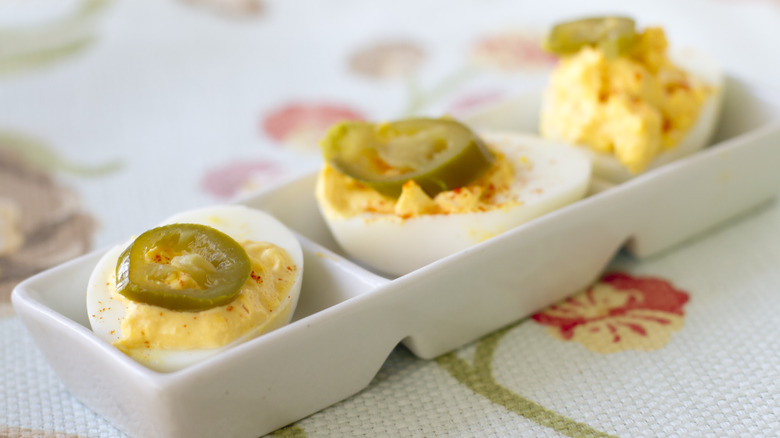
{"points": [[558, 175], [239, 222], [608, 169]]}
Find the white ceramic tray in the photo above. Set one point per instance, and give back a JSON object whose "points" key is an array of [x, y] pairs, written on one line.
{"points": [[349, 319]]}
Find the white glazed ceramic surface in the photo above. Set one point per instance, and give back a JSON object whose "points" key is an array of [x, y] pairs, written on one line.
{"points": [[349, 319]]}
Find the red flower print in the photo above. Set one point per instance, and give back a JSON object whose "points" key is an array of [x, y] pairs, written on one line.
{"points": [[511, 51], [302, 125], [618, 313], [239, 178]]}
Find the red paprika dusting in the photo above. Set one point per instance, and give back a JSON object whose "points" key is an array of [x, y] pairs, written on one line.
{"points": [[256, 277], [667, 125]]}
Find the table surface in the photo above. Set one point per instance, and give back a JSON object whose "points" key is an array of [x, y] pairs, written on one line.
{"points": [[115, 115]]}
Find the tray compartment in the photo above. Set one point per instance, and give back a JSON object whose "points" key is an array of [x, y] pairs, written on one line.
{"points": [[266, 375]]}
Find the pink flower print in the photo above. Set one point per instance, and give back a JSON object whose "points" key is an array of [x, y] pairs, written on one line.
{"points": [[511, 52], [302, 125], [387, 60], [465, 105], [240, 178], [618, 313]]}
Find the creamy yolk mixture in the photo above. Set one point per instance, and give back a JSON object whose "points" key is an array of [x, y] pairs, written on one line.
{"points": [[147, 326], [348, 197], [633, 106]]}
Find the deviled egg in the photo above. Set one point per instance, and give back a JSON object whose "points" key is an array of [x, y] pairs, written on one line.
{"points": [[398, 196], [618, 93], [201, 282]]}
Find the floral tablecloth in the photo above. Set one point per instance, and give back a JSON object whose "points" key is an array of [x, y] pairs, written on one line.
{"points": [[117, 114]]}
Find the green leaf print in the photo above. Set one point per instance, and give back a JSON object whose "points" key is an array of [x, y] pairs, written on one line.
{"points": [[291, 431], [418, 98], [36, 153], [13, 63], [479, 378], [25, 48]]}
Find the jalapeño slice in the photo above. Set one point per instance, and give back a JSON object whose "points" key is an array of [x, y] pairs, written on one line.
{"points": [[438, 154], [187, 267], [613, 35]]}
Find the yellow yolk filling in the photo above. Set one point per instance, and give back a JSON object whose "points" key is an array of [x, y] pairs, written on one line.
{"points": [[347, 197], [633, 106], [147, 326]]}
